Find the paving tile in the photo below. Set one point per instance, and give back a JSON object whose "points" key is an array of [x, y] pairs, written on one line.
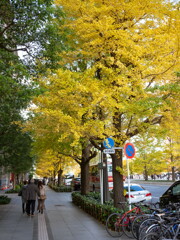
{"points": [[62, 220]]}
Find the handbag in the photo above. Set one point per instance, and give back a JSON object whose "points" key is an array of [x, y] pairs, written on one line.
{"points": [[42, 197], [20, 193]]}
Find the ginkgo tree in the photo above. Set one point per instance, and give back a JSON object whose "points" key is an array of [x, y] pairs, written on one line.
{"points": [[132, 50], [172, 145], [151, 157], [63, 118], [53, 165]]}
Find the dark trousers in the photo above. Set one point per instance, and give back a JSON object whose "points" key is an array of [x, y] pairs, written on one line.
{"points": [[30, 206], [24, 207]]}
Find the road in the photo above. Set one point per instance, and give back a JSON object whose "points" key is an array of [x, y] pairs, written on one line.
{"points": [[156, 190]]}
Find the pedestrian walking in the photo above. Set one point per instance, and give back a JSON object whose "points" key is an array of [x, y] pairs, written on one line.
{"points": [[32, 191], [22, 193], [42, 197]]}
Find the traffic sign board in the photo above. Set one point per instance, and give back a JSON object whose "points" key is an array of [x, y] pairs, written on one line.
{"points": [[108, 143], [109, 151], [129, 150]]}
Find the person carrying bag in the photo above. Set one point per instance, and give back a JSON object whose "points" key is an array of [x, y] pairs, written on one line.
{"points": [[42, 197]]}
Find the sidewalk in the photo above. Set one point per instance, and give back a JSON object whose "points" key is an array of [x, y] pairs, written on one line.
{"points": [[62, 220]]}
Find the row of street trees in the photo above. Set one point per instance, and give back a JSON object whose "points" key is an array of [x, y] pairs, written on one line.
{"points": [[92, 69], [118, 77], [26, 30]]}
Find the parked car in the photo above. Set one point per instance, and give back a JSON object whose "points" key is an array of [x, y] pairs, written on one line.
{"points": [[67, 180], [172, 194], [76, 184], [137, 193]]}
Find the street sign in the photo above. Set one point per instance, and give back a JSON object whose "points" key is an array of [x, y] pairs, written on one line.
{"points": [[109, 151], [108, 143], [129, 150]]}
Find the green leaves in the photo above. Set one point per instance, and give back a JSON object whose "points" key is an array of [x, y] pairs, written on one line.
{"points": [[28, 30]]}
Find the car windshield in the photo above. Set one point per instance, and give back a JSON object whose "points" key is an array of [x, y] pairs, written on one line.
{"points": [[176, 190], [134, 188], [68, 177]]}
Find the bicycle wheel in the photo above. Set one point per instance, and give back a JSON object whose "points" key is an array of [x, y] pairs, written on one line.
{"points": [[170, 232], [159, 229], [127, 225], [144, 226], [151, 236], [114, 225], [136, 223]]}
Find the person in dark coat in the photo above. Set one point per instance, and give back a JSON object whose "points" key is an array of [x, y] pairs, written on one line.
{"points": [[32, 191], [22, 193]]}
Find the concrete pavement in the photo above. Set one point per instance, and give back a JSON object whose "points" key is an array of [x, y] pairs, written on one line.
{"points": [[62, 220]]}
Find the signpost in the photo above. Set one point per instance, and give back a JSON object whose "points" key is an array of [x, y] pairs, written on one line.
{"points": [[129, 151], [108, 143], [109, 151]]}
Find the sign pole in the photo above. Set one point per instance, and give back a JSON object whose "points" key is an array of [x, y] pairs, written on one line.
{"points": [[101, 178], [130, 153], [127, 162]]}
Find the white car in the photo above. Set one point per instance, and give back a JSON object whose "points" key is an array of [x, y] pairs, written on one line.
{"points": [[137, 193]]}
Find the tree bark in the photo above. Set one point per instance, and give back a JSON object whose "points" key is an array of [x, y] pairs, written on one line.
{"points": [[84, 177], [145, 174], [87, 155], [118, 188], [60, 172], [54, 177], [173, 174]]}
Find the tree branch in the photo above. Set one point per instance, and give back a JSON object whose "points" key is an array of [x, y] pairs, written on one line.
{"points": [[8, 26], [96, 145], [156, 120], [77, 159], [130, 121], [156, 74]]}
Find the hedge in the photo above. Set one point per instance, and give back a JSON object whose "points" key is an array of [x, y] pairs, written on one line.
{"points": [[60, 188], [4, 200], [15, 190], [91, 204]]}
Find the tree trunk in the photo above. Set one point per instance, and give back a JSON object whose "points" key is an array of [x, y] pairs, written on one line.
{"points": [[60, 172], [173, 174], [145, 174], [87, 155], [54, 177], [118, 188], [17, 178], [84, 177], [173, 168]]}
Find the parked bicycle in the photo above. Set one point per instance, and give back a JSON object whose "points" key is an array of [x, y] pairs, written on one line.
{"points": [[117, 223], [164, 226], [167, 233]]}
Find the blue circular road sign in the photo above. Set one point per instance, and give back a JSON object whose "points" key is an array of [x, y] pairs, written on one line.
{"points": [[129, 150], [108, 143]]}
